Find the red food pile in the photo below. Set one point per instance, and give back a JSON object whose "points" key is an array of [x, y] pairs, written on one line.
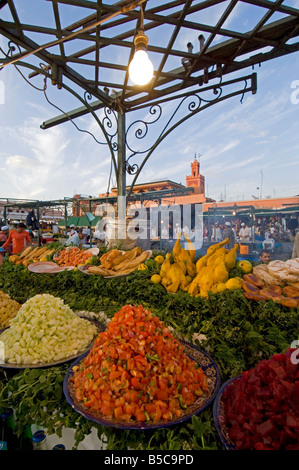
{"points": [[261, 408], [137, 371]]}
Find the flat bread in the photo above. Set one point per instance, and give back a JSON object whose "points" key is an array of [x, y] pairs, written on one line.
{"points": [[276, 267], [252, 279], [269, 294], [294, 284], [262, 272], [293, 266], [291, 291], [285, 275]]}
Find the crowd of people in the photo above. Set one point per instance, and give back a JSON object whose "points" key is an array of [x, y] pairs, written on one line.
{"points": [[14, 239], [264, 231]]}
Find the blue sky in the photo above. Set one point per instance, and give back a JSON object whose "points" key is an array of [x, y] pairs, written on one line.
{"points": [[243, 146]]}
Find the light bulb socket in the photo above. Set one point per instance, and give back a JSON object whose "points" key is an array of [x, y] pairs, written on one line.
{"points": [[141, 40]]}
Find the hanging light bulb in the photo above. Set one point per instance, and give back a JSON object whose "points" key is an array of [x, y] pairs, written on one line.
{"points": [[141, 69]]}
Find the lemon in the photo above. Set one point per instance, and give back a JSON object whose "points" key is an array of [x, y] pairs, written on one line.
{"points": [[159, 259], [233, 284], [88, 261], [221, 287], [43, 259], [82, 264], [156, 279], [245, 266]]}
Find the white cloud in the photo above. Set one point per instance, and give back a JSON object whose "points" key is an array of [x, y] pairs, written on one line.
{"points": [[19, 161]]}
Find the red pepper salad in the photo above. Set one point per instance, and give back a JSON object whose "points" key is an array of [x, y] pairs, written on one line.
{"points": [[261, 408], [137, 371]]}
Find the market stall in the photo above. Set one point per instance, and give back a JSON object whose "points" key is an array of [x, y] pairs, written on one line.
{"points": [[244, 315], [205, 322]]}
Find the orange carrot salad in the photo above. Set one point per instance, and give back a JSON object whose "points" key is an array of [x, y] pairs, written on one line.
{"points": [[137, 371], [73, 257]]}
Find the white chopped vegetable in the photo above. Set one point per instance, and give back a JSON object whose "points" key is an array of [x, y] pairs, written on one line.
{"points": [[45, 330]]}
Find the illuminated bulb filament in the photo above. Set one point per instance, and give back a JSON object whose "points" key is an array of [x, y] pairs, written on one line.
{"points": [[141, 69]]}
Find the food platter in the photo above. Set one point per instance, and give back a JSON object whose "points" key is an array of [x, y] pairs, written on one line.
{"points": [[47, 267], [85, 268], [93, 251], [203, 360], [219, 417], [100, 328], [41, 266]]}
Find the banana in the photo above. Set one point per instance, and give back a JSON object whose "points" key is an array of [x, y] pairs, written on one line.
{"points": [[131, 264], [26, 252], [98, 270], [31, 253], [45, 253]]}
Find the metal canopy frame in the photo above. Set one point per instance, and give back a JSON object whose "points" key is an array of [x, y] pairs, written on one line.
{"points": [[35, 204], [87, 45]]}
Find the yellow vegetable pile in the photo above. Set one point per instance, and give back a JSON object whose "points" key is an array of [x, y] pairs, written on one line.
{"points": [[213, 271], [209, 274], [8, 309], [31, 254], [177, 275]]}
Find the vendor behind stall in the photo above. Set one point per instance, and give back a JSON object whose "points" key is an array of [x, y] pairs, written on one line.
{"points": [[264, 257], [74, 239], [244, 233], [229, 233], [19, 238]]}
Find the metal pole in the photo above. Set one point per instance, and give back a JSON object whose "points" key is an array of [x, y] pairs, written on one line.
{"points": [[90, 231], [37, 216], [121, 175], [65, 219]]}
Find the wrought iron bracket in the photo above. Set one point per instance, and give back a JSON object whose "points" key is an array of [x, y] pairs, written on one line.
{"points": [[187, 105], [184, 106]]}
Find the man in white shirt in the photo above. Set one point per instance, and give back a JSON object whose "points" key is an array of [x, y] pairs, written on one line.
{"points": [[71, 230], [216, 233], [74, 239], [244, 233]]}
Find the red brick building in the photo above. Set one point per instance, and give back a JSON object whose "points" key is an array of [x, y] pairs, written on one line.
{"points": [[287, 207]]}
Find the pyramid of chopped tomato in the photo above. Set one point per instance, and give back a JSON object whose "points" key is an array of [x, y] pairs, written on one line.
{"points": [[137, 371], [261, 408]]}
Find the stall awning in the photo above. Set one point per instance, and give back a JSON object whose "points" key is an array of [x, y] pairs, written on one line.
{"points": [[84, 222], [79, 221], [70, 221]]}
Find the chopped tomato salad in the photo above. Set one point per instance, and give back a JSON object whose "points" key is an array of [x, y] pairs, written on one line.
{"points": [[261, 408], [73, 256], [137, 371]]}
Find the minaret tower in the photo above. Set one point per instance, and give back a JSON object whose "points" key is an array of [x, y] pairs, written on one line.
{"points": [[196, 180]]}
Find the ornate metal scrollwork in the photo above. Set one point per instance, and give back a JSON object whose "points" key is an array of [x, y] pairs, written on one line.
{"points": [[12, 46], [188, 105], [138, 139], [140, 130]]}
